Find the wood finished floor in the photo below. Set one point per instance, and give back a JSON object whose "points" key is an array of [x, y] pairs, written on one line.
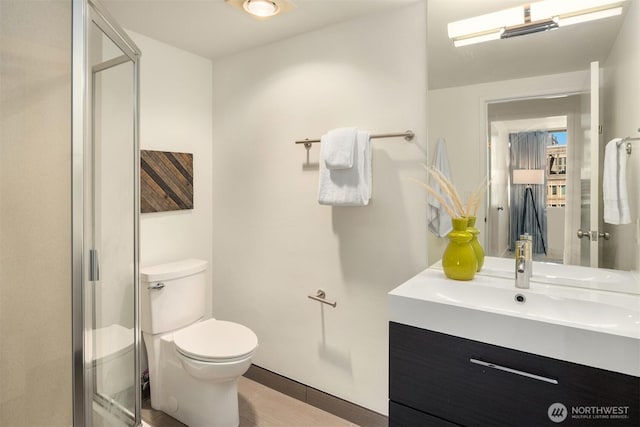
{"points": [[261, 406]]}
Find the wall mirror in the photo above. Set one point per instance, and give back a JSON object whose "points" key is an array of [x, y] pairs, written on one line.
{"points": [[483, 97]]}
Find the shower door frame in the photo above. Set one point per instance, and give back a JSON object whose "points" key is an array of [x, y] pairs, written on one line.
{"points": [[84, 13]]}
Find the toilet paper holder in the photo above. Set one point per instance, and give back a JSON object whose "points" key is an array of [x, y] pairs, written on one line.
{"points": [[320, 296]]}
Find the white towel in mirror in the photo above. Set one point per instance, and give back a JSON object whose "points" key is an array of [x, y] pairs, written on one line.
{"points": [[438, 220], [614, 184]]}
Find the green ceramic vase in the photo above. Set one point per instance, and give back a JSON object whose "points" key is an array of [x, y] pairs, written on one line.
{"points": [[459, 261], [475, 244]]}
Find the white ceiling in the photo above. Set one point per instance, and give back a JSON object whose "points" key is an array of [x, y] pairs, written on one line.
{"points": [[212, 29]]}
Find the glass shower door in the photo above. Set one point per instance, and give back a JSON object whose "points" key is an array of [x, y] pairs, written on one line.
{"points": [[111, 159]]}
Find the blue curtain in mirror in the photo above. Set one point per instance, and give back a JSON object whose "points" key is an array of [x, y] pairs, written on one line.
{"points": [[528, 151]]}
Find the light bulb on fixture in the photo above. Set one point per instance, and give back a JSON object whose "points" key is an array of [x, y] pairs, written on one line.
{"points": [[578, 19], [550, 9], [479, 39], [261, 8]]}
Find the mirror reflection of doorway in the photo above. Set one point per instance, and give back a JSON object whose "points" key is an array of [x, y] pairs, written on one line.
{"points": [[555, 126], [527, 182]]}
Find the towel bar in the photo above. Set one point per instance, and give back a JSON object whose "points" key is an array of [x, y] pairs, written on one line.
{"points": [[408, 135], [320, 296], [628, 140]]}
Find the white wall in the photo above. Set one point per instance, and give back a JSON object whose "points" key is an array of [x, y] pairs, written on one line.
{"points": [[555, 232], [175, 115], [622, 118], [273, 244], [498, 219], [458, 114]]}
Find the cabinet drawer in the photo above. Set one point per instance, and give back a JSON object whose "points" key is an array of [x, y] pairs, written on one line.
{"points": [[402, 416], [476, 384]]}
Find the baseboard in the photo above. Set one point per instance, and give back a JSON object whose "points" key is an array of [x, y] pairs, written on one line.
{"points": [[321, 400]]}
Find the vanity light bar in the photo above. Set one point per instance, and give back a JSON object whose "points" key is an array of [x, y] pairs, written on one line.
{"points": [[551, 9], [537, 17], [529, 29], [483, 24], [578, 19], [478, 39]]}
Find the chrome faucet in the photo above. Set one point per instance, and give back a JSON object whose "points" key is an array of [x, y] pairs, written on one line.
{"points": [[523, 265]]}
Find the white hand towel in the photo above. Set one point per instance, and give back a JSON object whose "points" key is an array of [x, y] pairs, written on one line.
{"points": [[338, 147], [614, 184], [438, 220], [348, 187]]}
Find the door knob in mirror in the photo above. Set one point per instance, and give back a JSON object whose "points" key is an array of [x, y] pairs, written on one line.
{"points": [[582, 234], [593, 235]]}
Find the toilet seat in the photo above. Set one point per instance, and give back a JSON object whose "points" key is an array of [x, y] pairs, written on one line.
{"points": [[216, 341]]}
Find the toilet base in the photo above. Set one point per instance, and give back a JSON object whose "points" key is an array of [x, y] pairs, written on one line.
{"points": [[211, 405], [190, 400]]}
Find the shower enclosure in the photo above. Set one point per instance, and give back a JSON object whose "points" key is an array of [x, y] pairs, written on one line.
{"points": [[105, 203], [69, 336]]}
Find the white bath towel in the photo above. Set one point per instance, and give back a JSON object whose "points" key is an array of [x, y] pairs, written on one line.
{"points": [[439, 221], [348, 187], [338, 148], [614, 184]]}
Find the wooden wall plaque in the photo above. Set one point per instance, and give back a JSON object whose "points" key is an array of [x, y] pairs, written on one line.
{"points": [[166, 181]]}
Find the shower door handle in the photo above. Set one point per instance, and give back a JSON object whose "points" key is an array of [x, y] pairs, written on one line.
{"points": [[94, 265]]}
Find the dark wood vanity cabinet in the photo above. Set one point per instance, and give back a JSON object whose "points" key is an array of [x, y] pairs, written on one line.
{"points": [[442, 380]]}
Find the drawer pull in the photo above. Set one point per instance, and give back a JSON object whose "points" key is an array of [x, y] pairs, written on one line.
{"points": [[513, 371]]}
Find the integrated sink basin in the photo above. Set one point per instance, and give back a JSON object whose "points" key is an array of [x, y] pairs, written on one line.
{"points": [[592, 323], [568, 275]]}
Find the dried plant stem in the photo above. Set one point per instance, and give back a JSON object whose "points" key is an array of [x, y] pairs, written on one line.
{"points": [[448, 196], [483, 189], [447, 186], [438, 197], [476, 198], [470, 204]]}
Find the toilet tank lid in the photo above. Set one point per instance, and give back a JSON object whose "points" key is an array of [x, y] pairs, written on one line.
{"points": [[172, 270]]}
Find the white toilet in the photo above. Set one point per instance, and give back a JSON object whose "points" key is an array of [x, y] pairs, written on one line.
{"points": [[194, 364], [113, 361]]}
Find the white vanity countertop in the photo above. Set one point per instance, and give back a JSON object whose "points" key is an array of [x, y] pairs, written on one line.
{"points": [[567, 275], [580, 325]]}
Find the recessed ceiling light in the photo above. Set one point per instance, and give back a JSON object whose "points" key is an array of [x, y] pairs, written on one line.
{"points": [[261, 8]]}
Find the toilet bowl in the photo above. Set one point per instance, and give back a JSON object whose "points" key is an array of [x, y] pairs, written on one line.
{"points": [[194, 363], [113, 360], [215, 350]]}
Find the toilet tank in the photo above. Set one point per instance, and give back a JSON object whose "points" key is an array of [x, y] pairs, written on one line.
{"points": [[172, 295]]}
